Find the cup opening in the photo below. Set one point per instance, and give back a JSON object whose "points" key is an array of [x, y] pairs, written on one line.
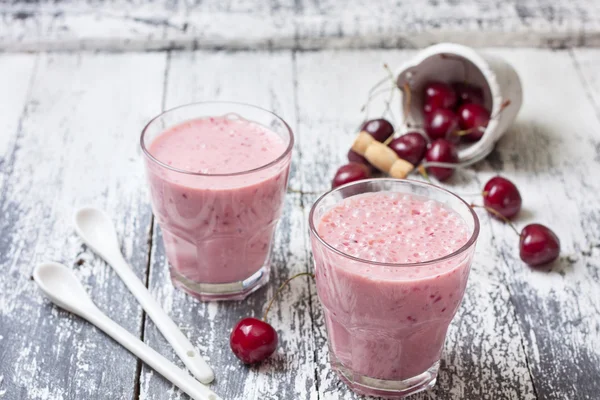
{"points": [[333, 196], [183, 113]]}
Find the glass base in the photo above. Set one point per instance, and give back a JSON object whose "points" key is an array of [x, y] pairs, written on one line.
{"points": [[221, 291], [388, 389]]}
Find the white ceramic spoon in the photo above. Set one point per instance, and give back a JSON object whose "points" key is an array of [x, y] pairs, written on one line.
{"points": [[61, 285], [97, 231]]}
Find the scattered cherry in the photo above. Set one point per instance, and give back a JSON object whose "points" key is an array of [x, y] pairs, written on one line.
{"points": [[474, 119], [467, 93], [410, 147], [441, 124], [253, 340], [538, 245], [380, 129], [354, 157], [349, 173], [438, 95], [442, 151], [502, 195]]}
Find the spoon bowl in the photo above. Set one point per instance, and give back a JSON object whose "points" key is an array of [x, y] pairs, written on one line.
{"points": [[96, 229], [61, 285]]}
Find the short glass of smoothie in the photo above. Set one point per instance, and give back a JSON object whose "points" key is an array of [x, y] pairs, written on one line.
{"points": [[392, 258], [218, 175]]}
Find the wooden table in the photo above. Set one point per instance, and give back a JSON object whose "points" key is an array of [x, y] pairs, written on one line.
{"points": [[69, 133]]}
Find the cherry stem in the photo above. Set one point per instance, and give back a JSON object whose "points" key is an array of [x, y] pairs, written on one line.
{"points": [[469, 131], [408, 93], [374, 94], [497, 214], [297, 191], [423, 173], [389, 101], [264, 318]]}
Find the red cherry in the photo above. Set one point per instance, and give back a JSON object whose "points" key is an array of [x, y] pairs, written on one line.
{"points": [[349, 173], [467, 93], [253, 340], [503, 196], [441, 124], [354, 157], [410, 147], [474, 118], [538, 245], [380, 129], [438, 95], [441, 150]]}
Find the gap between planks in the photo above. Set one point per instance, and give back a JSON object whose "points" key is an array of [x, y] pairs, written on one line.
{"points": [[150, 241]]}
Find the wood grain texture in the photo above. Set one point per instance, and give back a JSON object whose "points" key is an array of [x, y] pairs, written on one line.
{"points": [[302, 24], [265, 79], [75, 144], [483, 357], [69, 136], [552, 155]]}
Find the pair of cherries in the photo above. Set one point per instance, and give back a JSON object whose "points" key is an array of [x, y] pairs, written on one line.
{"points": [[253, 340], [538, 244], [454, 111]]}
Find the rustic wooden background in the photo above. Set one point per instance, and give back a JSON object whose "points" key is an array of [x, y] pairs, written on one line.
{"points": [[69, 128], [298, 24]]}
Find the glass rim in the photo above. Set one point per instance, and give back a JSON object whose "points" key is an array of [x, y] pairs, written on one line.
{"points": [[281, 157], [455, 253]]}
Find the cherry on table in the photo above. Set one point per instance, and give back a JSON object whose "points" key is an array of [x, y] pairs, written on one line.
{"points": [[473, 118], [349, 173], [441, 151], [502, 195], [467, 93], [441, 124], [538, 245], [438, 95], [410, 147], [380, 129], [253, 340]]}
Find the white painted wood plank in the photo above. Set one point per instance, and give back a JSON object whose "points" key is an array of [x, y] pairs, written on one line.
{"points": [[15, 78], [552, 156], [483, 355], [264, 79], [76, 145], [304, 24]]}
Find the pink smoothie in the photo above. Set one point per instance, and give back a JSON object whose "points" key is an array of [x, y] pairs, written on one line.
{"points": [[389, 322], [217, 229]]}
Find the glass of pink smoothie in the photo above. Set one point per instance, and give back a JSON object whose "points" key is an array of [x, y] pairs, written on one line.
{"points": [[218, 174], [392, 258]]}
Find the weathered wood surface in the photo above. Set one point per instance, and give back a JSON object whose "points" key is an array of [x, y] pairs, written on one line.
{"points": [[70, 124], [69, 139], [300, 24], [267, 80], [483, 355]]}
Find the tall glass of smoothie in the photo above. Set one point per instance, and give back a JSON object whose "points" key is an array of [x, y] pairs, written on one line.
{"points": [[218, 174], [392, 258]]}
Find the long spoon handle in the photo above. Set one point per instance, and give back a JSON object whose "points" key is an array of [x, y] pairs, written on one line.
{"points": [[182, 346], [160, 364]]}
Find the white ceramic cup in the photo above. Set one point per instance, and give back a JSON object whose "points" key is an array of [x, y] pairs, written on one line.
{"points": [[449, 62]]}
